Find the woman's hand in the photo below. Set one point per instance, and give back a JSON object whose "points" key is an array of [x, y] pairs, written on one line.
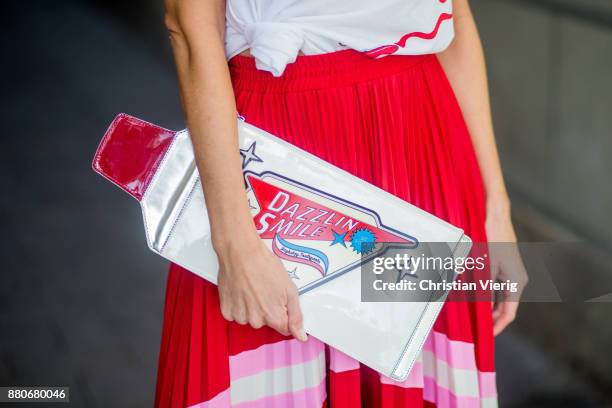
{"points": [[505, 264], [255, 288]]}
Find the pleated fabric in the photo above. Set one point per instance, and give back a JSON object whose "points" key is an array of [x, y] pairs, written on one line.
{"points": [[395, 123]]}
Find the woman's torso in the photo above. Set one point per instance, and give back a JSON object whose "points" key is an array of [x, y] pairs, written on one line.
{"points": [[275, 31]]}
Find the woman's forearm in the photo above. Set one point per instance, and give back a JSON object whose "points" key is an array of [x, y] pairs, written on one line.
{"points": [[209, 105], [464, 65], [254, 286]]}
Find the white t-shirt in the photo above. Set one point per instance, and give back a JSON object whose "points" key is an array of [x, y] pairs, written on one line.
{"points": [[275, 31]]}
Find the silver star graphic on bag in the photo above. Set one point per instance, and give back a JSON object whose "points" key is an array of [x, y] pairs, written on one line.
{"points": [[293, 274], [248, 155]]}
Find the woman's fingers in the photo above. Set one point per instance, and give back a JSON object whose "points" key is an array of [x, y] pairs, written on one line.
{"points": [[240, 312], [295, 316], [226, 305], [226, 310], [509, 267], [503, 314], [256, 321], [285, 319], [278, 321]]}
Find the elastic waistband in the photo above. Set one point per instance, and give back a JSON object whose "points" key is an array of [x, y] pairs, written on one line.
{"points": [[338, 68]]}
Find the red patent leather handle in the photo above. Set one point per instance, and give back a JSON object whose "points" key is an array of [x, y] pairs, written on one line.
{"points": [[130, 153]]}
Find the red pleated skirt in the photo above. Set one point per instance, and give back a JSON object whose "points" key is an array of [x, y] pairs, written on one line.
{"points": [[395, 123]]}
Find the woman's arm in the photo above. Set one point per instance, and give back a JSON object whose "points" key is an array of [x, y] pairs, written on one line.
{"points": [[254, 287], [464, 65]]}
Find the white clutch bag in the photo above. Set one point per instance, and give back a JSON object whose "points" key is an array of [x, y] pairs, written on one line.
{"points": [[323, 223]]}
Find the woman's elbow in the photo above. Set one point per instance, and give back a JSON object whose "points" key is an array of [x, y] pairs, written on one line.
{"points": [[178, 39], [194, 19]]}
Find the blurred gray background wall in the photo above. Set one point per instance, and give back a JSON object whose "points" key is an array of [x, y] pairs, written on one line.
{"points": [[81, 298], [550, 68]]}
